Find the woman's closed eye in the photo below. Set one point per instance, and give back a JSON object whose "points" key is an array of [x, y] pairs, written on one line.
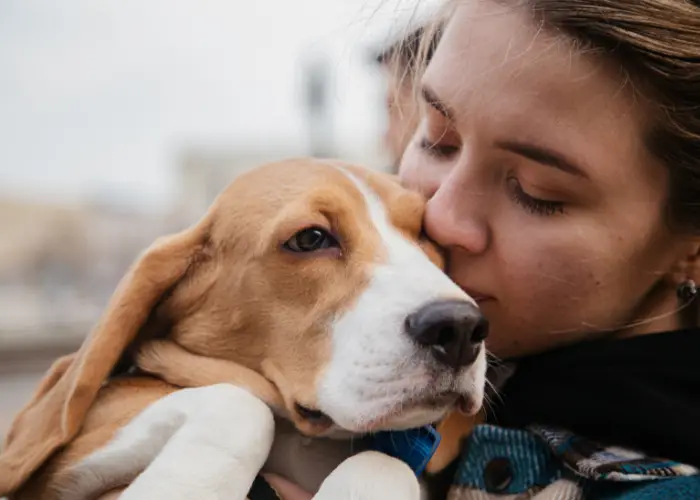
{"points": [[439, 138], [437, 149], [533, 205], [444, 150]]}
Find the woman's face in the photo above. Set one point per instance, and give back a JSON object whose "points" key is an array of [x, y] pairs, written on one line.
{"points": [[541, 190]]}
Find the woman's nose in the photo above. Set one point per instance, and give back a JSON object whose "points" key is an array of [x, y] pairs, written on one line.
{"points": [[456, 217]]}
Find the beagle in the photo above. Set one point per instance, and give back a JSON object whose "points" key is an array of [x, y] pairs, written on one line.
{"points": [[310, 289]]}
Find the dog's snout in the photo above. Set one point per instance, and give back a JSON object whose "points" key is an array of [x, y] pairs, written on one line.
{"points": [[452, 329]]}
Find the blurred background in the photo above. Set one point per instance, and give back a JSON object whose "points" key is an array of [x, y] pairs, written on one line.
{"points": [[121, 120]]}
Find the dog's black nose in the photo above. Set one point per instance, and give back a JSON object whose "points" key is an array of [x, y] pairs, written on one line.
{"points": [[452, 329]]}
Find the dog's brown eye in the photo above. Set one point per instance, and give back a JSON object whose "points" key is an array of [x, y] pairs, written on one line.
{"points": [[310, 239]]}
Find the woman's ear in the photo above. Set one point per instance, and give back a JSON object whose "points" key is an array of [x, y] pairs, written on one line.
{"points": [[684, 278], [687, 267], [56, 413]]}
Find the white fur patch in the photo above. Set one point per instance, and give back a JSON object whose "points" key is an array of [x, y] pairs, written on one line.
{"points": [[375, 369]]}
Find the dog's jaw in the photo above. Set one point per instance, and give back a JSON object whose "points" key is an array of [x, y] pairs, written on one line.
{"points": [[377, 376]]}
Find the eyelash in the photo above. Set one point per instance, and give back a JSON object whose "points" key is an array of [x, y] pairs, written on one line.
{"points": [[437, 150], [533, 205]]}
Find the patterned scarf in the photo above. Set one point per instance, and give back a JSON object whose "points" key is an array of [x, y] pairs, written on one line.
{"points": [[641, 393]]}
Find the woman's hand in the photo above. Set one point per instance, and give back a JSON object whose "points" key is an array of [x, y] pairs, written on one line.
{"points": [[286, 489]]}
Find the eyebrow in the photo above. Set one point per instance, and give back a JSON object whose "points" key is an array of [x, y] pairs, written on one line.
{"points": [[543, 156], [535, 153], [432, 100]]}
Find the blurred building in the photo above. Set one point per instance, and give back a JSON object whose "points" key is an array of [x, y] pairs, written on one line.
{"points": [[59, 265]]}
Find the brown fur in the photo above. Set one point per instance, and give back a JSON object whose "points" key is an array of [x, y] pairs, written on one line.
{"points": [[221, 289]]}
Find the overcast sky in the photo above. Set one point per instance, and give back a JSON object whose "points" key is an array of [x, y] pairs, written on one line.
{"points": [[102, 95]]}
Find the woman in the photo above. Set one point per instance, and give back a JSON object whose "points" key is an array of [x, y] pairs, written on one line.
{"points": [[560, 150]]}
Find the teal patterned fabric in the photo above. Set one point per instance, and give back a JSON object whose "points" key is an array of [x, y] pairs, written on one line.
{"points": [[511, 462]]}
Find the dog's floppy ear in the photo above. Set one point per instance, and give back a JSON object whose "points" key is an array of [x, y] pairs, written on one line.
{"points": [[56, 371], [57, 410]]}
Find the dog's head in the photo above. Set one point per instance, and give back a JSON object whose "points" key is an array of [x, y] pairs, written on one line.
{"points": [[313, 273]]}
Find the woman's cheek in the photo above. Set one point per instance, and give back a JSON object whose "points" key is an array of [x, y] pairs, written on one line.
{"points": [[543, 297], [555, 274]]}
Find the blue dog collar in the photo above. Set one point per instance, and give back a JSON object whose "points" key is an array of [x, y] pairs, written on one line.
{"points": [[415, 447]]}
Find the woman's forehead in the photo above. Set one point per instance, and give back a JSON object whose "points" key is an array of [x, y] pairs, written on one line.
{"points": [[499, 57]]}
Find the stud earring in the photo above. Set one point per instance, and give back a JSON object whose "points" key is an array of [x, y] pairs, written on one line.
{"points": [[687, 290]]}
